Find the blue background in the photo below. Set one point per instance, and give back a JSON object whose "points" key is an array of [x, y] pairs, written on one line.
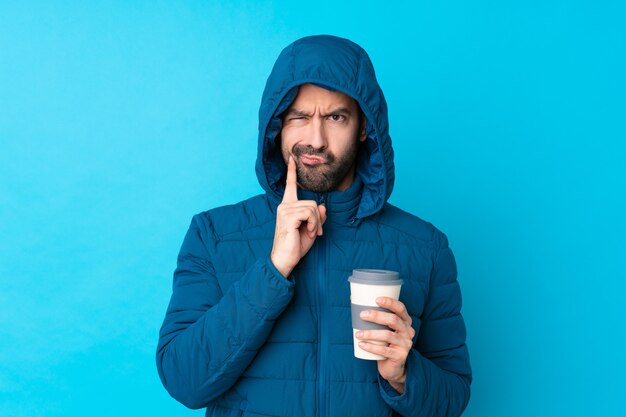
{"points": [[120, 120]]}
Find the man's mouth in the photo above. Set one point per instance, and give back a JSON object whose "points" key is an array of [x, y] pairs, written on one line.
{"points": [[311, 160]]}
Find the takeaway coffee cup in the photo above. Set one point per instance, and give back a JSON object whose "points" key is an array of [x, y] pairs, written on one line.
{"points": [[365, 286]]}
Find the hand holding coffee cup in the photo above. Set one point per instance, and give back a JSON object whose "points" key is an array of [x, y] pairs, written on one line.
{"points": [[381, 324]]}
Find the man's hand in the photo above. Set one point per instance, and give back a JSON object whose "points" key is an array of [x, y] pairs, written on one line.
{"points": [[400, 340], [298, 223]]}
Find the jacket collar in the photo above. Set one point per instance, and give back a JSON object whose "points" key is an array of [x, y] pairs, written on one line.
{"points": [[341, 206]]}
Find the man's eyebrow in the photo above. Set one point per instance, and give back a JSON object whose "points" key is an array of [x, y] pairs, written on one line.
{"points": [[292, 111], [339, 110], [301, 113]]}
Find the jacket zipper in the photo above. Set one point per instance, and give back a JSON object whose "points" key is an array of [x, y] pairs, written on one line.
{"points": [[321, 382]]}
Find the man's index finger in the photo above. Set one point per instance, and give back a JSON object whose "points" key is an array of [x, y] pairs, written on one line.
{"points": [[291, 187]]}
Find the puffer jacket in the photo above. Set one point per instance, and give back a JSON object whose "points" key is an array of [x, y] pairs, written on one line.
{"points": [[241, 340]]}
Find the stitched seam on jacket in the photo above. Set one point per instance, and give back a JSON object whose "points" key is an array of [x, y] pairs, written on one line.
{"points": [[405, 233], [439, 249], [306, 380], [207, 262], [454, 315], [246, 411], [389, 242], [354, 382], [246, 229], [451, 350], [252, 307], [276, 378]]}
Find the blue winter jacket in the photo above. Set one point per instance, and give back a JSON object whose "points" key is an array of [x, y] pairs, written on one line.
{"points": [[241, 340]]}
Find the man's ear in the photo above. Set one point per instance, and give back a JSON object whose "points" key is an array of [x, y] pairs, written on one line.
{"points": [[363, 133]]}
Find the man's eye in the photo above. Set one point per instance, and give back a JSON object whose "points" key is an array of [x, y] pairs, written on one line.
{"points": [[337, 117]]}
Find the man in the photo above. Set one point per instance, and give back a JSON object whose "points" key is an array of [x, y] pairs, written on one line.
{"points": [[259, 321]]}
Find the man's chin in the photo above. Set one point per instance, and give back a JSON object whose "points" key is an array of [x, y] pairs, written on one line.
{"points": [[317, 190], [321, 178], [315, 185]]}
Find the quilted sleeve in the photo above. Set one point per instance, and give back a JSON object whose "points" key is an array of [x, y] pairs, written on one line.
{"points": [[208, 338], [438, 368]]}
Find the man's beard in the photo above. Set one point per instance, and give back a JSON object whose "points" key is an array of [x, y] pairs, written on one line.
{"points": [[328, 176]]}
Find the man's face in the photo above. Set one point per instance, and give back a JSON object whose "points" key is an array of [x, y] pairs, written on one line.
{"points": [[321, 131]]}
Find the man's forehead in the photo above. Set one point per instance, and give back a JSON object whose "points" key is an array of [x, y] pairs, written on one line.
{"points": [[310, 94]]}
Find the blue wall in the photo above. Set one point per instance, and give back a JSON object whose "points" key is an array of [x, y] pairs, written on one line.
{"points": [[120, 120]]}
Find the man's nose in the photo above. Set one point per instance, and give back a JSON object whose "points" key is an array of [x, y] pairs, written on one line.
{"points": [[317, 134]]}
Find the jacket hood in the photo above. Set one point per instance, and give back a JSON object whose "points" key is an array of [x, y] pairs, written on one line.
{"points": [[336, 64]]}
